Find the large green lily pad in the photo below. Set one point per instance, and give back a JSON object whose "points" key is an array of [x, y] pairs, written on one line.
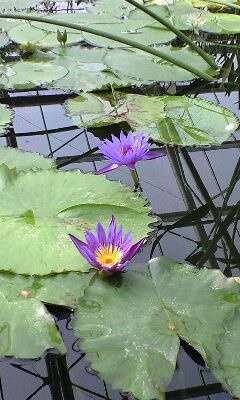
{"points": [[17, 4], [45, 35], [23, 160], [148, 68], [39, 209], [6, 116], [27, 329], [186, 17], [29, 74], [138, 354], [176, 120]]}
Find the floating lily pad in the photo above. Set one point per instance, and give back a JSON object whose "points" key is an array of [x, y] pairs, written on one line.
{"points": [[148, 68], [25, 33], [17, 4], [176, 120], [139, 354], [42, 207], [87, 70], [45, 35], [26, 327], [23, 160], [61, 289], [184, 16], [29, 74], [4, 39]]}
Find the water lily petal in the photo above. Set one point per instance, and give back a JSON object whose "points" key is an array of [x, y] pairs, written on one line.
{"points": [[133, 250], [108, 168], [101, 235], [151, 156], [84, 250], [112, 232]]}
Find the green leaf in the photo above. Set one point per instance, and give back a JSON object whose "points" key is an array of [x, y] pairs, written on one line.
{"points": [[148, 68], [6, 116], [136, 351], [25, 33], [61, 289], [23, 160], [207, 318], [18, 4], [45, 35], [27, 329], [60, 203], [4, 39], [28, 74], [87, 70], [176, 120]]}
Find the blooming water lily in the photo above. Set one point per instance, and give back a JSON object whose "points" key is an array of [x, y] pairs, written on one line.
{"points": [[107, 252], [126, 150]]}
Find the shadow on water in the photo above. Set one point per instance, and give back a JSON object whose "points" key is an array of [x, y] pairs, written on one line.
{"points": [[194, 192]]}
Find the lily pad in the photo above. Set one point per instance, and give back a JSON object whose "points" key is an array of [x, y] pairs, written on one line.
{"points": [[25, 33], [176, 120], [42, 207], [27, 329], [17, 4], [139, 354], [23, 316], [135, 350], [6, 116], [29, 74], [87, 70], [61, 289], [148, 68], [23, 160], [208, 319], [4, 39]]}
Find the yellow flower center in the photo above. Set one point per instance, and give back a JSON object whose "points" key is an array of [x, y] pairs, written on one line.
{"points": [[107, 256]]}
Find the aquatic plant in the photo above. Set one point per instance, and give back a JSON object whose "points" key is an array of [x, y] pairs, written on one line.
{"points": [[109, 252], [127, 150]]}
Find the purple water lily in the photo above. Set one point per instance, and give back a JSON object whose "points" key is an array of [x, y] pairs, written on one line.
{"points": [[126, 151], [107, 252]]}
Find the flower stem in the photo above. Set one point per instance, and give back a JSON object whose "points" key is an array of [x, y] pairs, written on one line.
{"points": [[132, 43], [172, 28], [135, 178]]}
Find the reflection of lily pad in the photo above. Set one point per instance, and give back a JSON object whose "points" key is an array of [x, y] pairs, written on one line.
{"points": [[169, 119], [42, 207], [24, 161], [139, 354]]}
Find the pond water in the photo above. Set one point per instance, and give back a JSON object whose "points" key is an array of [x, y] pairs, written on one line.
{"points": [[40, 125]]}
